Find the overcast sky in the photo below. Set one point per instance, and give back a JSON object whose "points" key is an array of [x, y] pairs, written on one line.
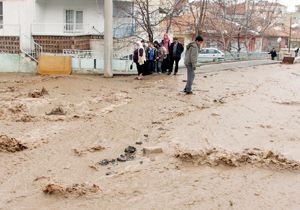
{"points": [[290, 4]]}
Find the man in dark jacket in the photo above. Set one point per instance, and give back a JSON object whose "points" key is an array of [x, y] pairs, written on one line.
{"points": [[175, 51], [273, 53], [296, 52], [190, 61]]}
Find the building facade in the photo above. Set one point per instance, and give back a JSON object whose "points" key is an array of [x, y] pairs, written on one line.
{"points": [[58, 25]]}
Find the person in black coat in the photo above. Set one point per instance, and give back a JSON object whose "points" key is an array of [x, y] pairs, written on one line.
{"points": [[175, 52], [273, 53], [296, 52]]}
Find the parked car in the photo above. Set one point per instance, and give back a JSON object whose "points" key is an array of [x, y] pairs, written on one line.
{"points": [[210, 55]]}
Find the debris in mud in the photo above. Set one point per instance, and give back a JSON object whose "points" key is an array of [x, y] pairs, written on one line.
{"points": [[257, 157], [38, 94], [129, 154], [156, 123], [93, 167], [105, 162], [139, 143], [10, 144], [26, 118], [57, 111], [17, 109], [215, 115], [9, 89], [130, 150], [152, 150], [220, 100], [97, 148], [41, 178], [75, 189], [76, 116], [288, 103]]}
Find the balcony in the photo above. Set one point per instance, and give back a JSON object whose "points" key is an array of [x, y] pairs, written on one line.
{"points": [[64, 29], [9, 30]]}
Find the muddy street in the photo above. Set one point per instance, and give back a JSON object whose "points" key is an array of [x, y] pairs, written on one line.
{"points": [[85, 142]]}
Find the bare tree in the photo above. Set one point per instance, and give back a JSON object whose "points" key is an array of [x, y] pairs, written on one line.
{"points": [[240, 21], [149, 14], [198, 10]]}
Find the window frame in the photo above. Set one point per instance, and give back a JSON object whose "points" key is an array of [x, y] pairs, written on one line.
{"points": [[74, 25], [1, 15]]}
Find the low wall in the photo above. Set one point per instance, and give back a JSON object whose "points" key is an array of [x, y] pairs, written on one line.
{"points": [[10, 44], [96, 65], [16, 63]]}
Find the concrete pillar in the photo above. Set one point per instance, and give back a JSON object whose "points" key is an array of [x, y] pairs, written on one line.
{"points": [[108, 38]]}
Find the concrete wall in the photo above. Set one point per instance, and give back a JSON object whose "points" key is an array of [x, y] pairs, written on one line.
{"points": [[96, 65], [16, 63]]}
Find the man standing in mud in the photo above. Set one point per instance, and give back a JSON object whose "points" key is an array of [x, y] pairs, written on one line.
{"points": [[175, 52], [190, 62]]}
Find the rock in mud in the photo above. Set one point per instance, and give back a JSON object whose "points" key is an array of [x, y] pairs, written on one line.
{"points": [[38, 94], [104, 162], [10, 144], [130, 150], [75, 189], [57, 111]]}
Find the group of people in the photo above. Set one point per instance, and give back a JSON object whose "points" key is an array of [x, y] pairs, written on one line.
{"points": [[160, 58], [157, 57]]}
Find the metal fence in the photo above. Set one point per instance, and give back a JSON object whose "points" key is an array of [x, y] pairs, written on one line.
{"points": [[245, 56]]}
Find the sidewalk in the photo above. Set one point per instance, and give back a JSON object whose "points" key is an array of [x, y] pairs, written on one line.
{"points": [[233, 65], [212, 67]]}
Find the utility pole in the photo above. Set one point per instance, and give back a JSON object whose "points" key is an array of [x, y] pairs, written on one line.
{"points": [[290, 35], [108, 38]]}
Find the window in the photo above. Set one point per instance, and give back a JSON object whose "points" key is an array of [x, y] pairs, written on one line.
{"points": [[1, 14], [74, 21], [211, 51]]}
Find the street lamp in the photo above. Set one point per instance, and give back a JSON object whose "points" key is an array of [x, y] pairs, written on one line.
{"points": [[279, 46]]}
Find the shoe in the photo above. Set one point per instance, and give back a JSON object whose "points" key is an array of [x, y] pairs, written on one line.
{"points": [[184, 90], [188, 93], [169, 73], [175, 73]]}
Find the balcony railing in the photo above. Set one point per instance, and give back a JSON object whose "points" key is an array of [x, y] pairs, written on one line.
{"points": [[64, 29]]}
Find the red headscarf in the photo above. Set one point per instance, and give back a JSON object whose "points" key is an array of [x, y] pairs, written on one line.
{"points": [[166, 42]]}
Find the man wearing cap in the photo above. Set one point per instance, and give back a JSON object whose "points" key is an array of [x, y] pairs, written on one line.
{"points": [[176, 50]]}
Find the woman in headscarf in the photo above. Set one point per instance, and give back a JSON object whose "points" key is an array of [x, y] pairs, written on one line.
{"points": [[166, 61], [139, 58]]}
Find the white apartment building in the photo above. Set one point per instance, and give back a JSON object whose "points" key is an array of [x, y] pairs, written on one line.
{"points": [[55, 26], [39, 19]]}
